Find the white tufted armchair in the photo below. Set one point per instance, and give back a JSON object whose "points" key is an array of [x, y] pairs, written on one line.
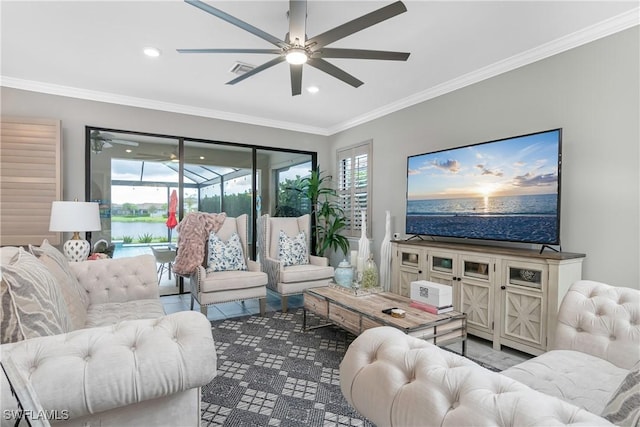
{"points": [[397, 380], [291, 279], [209, 287]]}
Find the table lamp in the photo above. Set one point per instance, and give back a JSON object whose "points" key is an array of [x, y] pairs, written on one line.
{"points": [[75, 217]]}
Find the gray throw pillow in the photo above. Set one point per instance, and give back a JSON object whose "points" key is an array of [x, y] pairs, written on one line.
{"points": [[58, 257], [624, 407], [32, 304]]}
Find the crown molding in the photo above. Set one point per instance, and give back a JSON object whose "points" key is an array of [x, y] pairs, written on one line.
{"points": [[597, 31], [111, 98]]}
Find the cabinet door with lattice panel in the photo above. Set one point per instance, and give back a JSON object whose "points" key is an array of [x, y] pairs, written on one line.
{"points": [[524, 316], [30, 179]]}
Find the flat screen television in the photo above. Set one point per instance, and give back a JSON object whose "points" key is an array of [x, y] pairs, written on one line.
{"points": [[503, 190]]}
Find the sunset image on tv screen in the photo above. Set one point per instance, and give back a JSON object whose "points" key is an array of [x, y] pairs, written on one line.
{"points": [[499, 190]]}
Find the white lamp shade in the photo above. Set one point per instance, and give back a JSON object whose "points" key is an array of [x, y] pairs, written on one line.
{"points": [[74, 216]]}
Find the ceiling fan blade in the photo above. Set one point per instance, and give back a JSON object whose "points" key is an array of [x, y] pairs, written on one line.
{"points": [[256, 70], [356, 25], [124, 142], [273, 51], [336, 72], [328, 52], [237, 22], [297, 21], [296, 79]]}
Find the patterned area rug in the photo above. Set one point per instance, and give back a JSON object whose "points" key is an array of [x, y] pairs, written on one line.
{"points": [[271, 373]]}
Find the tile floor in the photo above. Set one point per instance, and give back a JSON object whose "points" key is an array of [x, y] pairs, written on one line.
{"points": [[477, 348]]}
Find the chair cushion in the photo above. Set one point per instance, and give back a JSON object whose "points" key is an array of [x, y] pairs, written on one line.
{"points": [[68, 276], [32, 304], [292, 250], [113, 312], [579, 378], [303, 273], [225, 256], [624, 407], [225, 280]]}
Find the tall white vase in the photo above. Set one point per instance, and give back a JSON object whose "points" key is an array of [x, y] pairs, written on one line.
{"points": [[385, 255], [363, 245]]}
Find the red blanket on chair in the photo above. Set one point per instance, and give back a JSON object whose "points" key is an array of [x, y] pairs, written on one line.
{"points": [[194, 230]]}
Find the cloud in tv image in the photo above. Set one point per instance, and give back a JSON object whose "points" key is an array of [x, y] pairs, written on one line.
{"points": [[499, 190]]}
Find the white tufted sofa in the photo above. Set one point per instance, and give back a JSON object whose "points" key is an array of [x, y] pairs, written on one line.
{"points": [[131, 365], [397, 380]]}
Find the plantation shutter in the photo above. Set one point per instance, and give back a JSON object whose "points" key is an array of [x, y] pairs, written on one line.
{"points": [[354, 186], [30, 179]]}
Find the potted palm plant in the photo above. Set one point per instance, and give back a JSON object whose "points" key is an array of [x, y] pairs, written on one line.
{"points": [[327, 216]]}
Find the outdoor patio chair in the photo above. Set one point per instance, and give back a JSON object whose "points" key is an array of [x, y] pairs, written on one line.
{"points": [[165, 256], [227, 274], [285, 247]]}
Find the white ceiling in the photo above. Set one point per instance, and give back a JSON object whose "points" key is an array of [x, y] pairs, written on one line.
{"points": [[93, 50]]}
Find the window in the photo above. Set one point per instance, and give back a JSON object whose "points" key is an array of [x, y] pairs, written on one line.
{"points": [[354, 185]]}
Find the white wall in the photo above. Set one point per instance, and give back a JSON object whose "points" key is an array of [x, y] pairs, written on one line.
{"points": [[592, 92], [76, 114]]}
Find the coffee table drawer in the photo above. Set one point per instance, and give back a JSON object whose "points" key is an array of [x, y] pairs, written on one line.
{"points": [[369, 323], [346, 319], [316, 305]]}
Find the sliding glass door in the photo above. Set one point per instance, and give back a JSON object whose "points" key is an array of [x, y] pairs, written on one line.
{"points": [[135, 177]]}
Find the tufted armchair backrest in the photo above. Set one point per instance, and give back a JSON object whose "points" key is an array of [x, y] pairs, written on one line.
{"points": [[601, 320], [290, 225]]}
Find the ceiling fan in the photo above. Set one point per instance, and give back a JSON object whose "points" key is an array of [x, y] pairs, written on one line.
{"points": [[297, 49], [166, 157], [100, 140]]}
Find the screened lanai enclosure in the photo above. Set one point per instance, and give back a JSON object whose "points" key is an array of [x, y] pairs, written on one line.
{"points": [[132, 176]]}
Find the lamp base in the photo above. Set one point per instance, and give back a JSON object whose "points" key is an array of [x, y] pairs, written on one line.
{"points": [[76, 250]]}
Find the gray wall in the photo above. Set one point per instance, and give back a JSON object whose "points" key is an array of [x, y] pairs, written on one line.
{"points": [[76, 114], [592, 92]]}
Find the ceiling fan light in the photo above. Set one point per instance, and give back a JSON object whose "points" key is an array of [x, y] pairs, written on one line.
{"points": [[296, 56]]}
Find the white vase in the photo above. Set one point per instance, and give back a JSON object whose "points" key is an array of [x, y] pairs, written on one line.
{"points": [[363, 245], [385, 255]]}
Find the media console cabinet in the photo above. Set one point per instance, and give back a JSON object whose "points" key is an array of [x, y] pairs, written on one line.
{"points": [[510, 296]]}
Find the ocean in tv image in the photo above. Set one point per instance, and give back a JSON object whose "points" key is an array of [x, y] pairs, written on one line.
{"points": [[501, 190], [516, 218]]}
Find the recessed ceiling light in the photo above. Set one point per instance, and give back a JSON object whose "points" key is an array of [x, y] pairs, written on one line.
{"points": [[152, 52], [201, 157], [313, 89], [128, 150]]}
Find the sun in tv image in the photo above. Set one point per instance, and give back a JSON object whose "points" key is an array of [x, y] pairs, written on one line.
{"points": [[506, 190]]}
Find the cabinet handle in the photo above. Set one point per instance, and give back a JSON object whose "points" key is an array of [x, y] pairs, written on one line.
{"points": [[419, 271], [503, 287], [459, 279]]}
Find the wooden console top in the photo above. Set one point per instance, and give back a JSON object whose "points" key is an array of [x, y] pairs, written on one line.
{"points": [[531, 253]]}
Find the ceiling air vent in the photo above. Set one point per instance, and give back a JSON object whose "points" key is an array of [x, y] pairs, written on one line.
{"points": [[241, 68]]}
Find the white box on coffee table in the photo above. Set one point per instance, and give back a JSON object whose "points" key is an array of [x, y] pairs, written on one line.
{"points": [[431, 293]]}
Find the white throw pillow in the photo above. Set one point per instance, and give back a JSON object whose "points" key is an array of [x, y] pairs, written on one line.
{"points": [[292, 250], [225, 256]]}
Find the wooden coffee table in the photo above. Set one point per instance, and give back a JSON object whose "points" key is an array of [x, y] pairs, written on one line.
{"points": [[359, 313]]}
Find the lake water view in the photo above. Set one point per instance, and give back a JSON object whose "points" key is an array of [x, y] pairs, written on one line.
{"points": [[136, 229]]}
